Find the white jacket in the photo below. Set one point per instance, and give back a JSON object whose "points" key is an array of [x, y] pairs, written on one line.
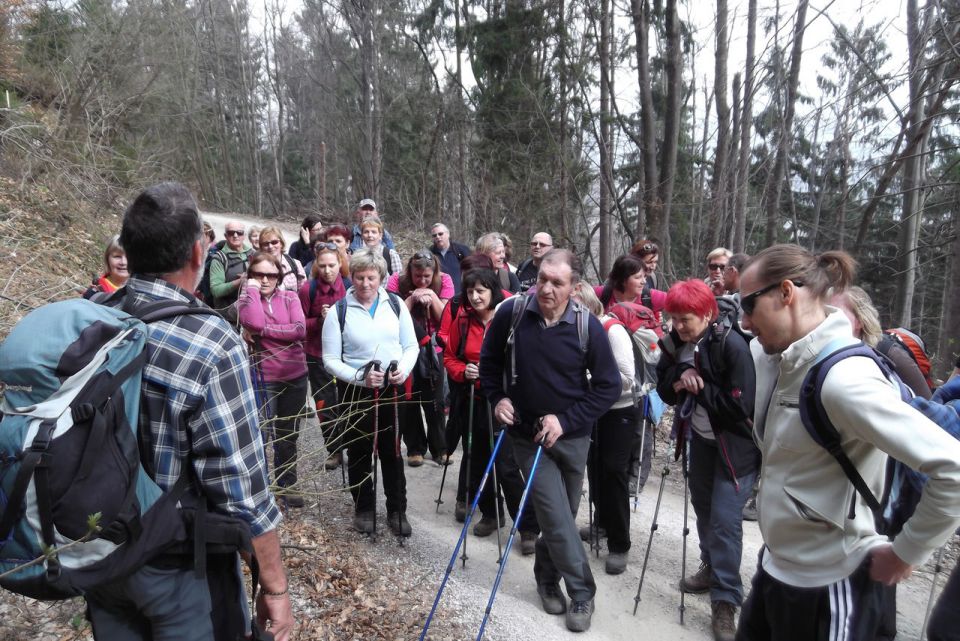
{"points": [[805, 496]]}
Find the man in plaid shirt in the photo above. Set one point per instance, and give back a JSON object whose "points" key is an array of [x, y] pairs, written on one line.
{"points": [[199, 407]]}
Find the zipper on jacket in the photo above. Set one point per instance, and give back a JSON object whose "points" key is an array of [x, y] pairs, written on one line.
{"points": [[727, 461]]}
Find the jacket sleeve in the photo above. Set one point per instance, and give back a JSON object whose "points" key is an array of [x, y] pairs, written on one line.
{"points": [[295, 328], [604, 382], [492, 357], [908, 371], [669, 369], [863, 405], [250, 309], [408, 341], [455, 366], [729, 396]]}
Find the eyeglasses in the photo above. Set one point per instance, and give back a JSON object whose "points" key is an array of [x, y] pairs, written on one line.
{"points": [[262, 275], [716, 266], [534, 243], [319, 246], [271, 243], [234, 232], [749, 302], [438, 234]]}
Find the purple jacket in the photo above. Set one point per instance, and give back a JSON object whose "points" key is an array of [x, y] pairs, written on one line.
{"points": [[279, 322], [324, 294]]}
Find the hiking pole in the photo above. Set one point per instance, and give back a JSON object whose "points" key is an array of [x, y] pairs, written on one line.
{"points": [[463, 534], [937, 568], [593, 527], [376, 458], [396, 429], [496, 486], [653, 528], [443, 477], [686, 528], [643, 436], [513, 534], [469, 455]]}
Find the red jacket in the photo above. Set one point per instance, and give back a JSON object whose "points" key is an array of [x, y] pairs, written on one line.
{"points": [[466, 321]]}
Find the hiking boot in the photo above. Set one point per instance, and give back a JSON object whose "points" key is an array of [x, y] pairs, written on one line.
{"points": [[699, 582], [528, 543], [579, 614], [750, 510], [415, 460], [460, 512], [333, 461], [723, 620], [587, 535], [552, 598], [485, 527], [445, 459], [616, 562], [398, 524], [363, 522]]}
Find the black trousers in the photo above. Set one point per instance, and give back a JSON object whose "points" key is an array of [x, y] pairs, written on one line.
{"points": [[287, 402], [608, 467], [430, 399], [368, 413]]}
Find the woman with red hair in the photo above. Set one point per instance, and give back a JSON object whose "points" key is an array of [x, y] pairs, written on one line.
{"points": [[706, 371]]}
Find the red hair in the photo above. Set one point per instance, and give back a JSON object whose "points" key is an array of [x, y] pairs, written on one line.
{"points": [[691, 297]]}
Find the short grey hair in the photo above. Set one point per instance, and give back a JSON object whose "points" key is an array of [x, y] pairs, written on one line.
{"points": [[435, 225], [560, 255], [365, 259]]}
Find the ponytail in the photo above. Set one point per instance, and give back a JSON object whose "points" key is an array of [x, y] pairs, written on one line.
{"points": [[822, 274]]}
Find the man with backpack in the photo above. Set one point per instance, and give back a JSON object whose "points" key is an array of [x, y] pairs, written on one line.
{"points": [[533, 366], [228, 268], [197, 417], [824, 566]]}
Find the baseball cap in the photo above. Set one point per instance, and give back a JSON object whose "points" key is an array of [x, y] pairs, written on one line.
{"points": [[367, 202]]}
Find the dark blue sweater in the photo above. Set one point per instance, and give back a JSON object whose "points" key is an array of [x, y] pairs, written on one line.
{"points": [[450, 264], [551, 369]]}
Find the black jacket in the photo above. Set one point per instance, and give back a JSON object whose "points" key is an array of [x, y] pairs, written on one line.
{"points": [[729, 387]]}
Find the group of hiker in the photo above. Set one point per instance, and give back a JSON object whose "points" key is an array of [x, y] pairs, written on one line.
{"points": [[454, 346]]}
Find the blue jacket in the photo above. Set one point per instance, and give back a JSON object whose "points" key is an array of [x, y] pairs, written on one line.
{"points": [[450, 264]]}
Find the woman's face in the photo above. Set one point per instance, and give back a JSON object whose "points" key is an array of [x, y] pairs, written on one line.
{"points": [[265, 273], [337, 240], [371, 236], [650, 261], [328, 265], [497, 255], [255, 238], [422, 278], [272, 245], [690, 326], [480, 297], [117, 266], [366, 282], [633, 286]]}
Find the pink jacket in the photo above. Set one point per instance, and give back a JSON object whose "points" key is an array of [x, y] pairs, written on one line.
{"points": [[279, 327]]}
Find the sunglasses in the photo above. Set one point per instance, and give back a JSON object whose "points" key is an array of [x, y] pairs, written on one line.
{"points": [[318, 246], [648, 248], [262, 275], [423, 255], [438, 234], [234, 232], [749, 302], [535, 243], [716, 266], [270, 243]]}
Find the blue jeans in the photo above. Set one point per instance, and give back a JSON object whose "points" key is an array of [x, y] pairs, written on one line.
{"points": [[152, 604], [718, 504]]}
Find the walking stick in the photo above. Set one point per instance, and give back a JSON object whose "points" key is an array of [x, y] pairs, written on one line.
{"points": [[593, 527], [496, 486], [513, 534], [653, 528], [376, 457], [463, 535], [469, 455], [443, 477], [643, 436], [937, 568], [396, 429], [686, 528]]}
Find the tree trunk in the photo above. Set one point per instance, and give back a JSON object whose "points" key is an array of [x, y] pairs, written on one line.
{"points": [[718, 183], [746, 120], [649, 209], [671, 123], [606, 160], [949, 343]]}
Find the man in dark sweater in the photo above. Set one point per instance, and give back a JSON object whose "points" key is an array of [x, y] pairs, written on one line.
{"points": [[448, 253], [547, 400], [540, 244]]}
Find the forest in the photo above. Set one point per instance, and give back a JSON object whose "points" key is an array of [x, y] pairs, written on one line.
{"points": [[697, 123]]}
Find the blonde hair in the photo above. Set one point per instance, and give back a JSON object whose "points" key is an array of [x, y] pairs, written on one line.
{"points": [[488, 242], [584, 293], [370, 221], [859, 303], [367, 258], [113, 246], [718, 252], [273, 231]]}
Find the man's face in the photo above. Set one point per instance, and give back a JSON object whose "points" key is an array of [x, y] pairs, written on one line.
{"points": [[234, 234], [441, 237], [554, 286], [540, 244], [764, 314], [731, 279], [364, 212]]}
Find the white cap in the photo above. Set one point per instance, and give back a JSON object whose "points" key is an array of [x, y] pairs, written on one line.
{"points": [[367, 202]]}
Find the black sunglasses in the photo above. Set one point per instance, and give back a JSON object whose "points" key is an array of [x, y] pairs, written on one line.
{"points": [[234, 232], [318, 246], [749, 302]]}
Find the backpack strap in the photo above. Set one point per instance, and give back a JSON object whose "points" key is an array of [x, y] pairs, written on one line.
{"points": [[520, 304], [820, 427], [645, 298], [610, 322], [313, 290], [583, 327]]}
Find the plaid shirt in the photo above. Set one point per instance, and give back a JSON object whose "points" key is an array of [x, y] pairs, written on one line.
{"points": [[198, 401]]}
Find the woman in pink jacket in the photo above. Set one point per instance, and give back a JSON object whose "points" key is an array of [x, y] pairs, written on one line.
{"points": [[272, 320]]}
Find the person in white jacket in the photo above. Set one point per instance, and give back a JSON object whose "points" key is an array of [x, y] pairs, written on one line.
{"points": [[822, 573]]}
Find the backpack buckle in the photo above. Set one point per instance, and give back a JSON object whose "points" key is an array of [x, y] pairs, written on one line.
{"points": [[43, 437], [53, 568]]}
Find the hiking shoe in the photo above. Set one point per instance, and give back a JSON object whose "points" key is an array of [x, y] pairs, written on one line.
{"points": [[587, 535], [750, 510], [723, 620], [415, 460], [363, 522], [333, 461], [528, 543], [460, 512], [616, 562], [579, 614], [632, 486], [293, 499], [445, 459], [552, 598], [485, 527], [699, 582], [398, 524]]}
